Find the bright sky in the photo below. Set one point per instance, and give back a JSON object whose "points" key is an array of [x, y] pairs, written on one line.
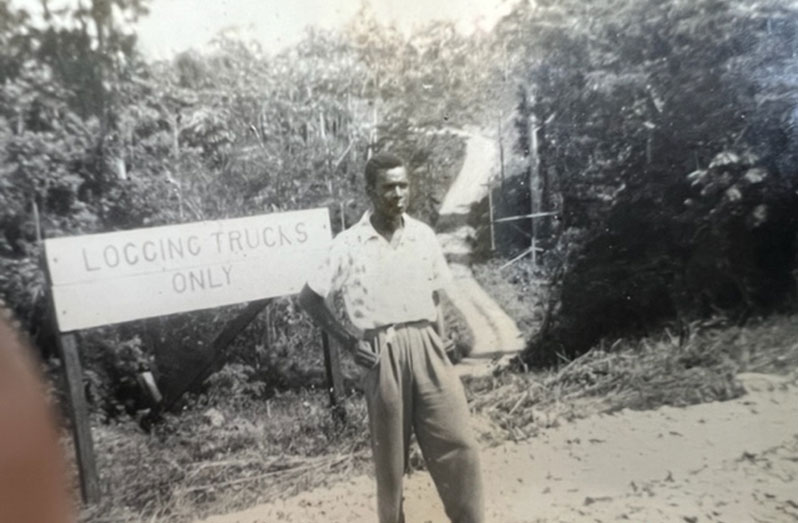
{"points": [[176, 25]]}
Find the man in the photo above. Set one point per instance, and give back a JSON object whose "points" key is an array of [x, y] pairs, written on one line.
{"points": [[390, 268]]}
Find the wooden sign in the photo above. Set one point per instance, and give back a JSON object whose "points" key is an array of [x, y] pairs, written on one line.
{"points": [[100, 279], [107, 278]]}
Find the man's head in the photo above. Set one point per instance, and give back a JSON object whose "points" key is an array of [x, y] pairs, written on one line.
{"points": [[387, 184]]}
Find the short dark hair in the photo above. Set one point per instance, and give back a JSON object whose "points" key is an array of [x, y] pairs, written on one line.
{"points": [[381, 162]]}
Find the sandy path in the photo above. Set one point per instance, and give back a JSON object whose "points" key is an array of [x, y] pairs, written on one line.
{"points": [[494, 332], [470, 184], [733, 461]]}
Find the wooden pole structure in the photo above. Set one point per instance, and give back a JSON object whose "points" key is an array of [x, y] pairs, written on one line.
{"points": [[526, 251], [219, 348], [373, 137], [501, 154], [79, 416], [534, 178], [332, 364], [524, 216], [490, 209]]}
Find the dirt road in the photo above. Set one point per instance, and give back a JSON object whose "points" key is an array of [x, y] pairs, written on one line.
{"points": [[735, 461], [494, 331]]}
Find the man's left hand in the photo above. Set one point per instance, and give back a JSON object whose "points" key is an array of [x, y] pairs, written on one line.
{"points": [[448, 345], [365, 355]]}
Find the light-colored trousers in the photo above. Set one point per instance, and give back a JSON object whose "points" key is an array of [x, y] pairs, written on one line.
{"points": [[413, 387]]}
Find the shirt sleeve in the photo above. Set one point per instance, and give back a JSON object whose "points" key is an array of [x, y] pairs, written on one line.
{"points": [[327, 277], [441, 276]]}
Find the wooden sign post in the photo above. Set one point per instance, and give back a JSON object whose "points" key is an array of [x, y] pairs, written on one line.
{"points": [[335, 380], [79, 417], [108, 278]]}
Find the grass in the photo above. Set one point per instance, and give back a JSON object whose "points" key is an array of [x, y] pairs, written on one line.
{"points": [[226, 457], [519, 289]]}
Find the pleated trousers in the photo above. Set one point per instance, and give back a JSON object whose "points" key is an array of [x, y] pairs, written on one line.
{"points": [[413, 388]]}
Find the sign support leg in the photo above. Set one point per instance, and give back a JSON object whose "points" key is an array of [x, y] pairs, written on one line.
{"points": [[218, 349], [335, 379], [79, 414]]}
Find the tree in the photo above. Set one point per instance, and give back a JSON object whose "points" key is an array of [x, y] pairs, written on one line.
{"points": [[633, 115]]}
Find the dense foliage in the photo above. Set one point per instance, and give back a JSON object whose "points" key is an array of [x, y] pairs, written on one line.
{"points": [[94, 138], [662, 132], [667, 141]]}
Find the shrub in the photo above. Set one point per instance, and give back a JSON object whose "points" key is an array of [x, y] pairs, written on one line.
{"points": [[717, 240]]}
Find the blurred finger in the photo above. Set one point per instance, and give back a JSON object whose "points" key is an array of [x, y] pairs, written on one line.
{"points": [[33, 482]]}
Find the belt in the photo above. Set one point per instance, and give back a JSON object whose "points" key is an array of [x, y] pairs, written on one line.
{"points": [[389, 329]]}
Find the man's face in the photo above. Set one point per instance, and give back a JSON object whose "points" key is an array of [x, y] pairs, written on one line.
{"points": [[390, 192]]}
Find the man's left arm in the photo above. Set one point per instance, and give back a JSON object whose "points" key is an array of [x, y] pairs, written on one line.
{"points": [[440, 322], [441, 279]]}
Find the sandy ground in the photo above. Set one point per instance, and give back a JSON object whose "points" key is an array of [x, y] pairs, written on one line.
{"points": [[735, 461]]}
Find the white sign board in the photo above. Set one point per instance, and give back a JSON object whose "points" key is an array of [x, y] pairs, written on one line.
{"points": [[100, 279]]}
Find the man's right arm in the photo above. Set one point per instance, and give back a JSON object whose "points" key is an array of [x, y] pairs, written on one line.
{"points": [[315, 305], [317, 308]]}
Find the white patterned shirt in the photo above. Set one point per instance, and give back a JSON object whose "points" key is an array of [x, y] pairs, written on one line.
{"points": [[382, 283]]}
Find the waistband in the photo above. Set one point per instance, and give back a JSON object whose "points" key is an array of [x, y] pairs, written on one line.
{"points": [[370, 334]]}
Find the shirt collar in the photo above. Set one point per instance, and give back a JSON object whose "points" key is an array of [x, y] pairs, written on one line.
{"points": [[366, 230]]}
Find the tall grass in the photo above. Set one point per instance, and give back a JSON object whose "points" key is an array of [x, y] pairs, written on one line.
{"points": [[220, 455], [697, 366]]}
